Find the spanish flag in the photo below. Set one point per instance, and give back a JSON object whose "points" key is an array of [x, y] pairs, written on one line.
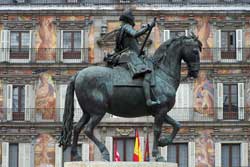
{"points": [[137, 151], [146, 153]]}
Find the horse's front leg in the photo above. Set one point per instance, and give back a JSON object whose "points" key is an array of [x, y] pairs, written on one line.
{"points": [[165, 140], [157, 132]]}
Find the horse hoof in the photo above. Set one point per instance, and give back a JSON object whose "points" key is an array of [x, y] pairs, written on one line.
{"points": [[164, 141], [76, 158], [105, 156], [160, 159]]}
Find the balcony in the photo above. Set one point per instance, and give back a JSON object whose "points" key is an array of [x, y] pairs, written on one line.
{"points": [[36, 115], [44, 55], [124, 2]]}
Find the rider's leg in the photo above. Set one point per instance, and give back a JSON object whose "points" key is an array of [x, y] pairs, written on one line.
{"points": [[146, 88]]}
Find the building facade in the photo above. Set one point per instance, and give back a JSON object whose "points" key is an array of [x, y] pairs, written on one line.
{"points": [[44, 43]]}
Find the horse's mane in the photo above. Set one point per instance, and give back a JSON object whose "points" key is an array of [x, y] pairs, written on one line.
{"points": [[162, 51]]}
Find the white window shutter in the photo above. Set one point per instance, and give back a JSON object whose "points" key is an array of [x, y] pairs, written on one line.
{"points": [[164, 152], [5, 154], [109, 145], [61, 49], [220, 100], [241, 101], [218, 45], [191, 154], [166, 35], [142, 146], [58, 157], [30, 45], [28, 89], [2, 47], [63, 90], [85, 151], [82, 48], [239, 44], [24, 153], [9, 102], [7, 45], [217, 154], [27, 155], [78, 111], [21, 155], [244, 154]]}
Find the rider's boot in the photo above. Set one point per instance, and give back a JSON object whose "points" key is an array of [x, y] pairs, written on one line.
{"points": [[146, 88]]}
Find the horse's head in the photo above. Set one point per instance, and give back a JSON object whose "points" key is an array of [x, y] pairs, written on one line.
{"points": [[190, 53]]}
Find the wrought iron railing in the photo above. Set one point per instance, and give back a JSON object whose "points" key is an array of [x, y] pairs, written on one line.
{"points": [[180, 114], [81, 55], [38, 55], [123, 2]]}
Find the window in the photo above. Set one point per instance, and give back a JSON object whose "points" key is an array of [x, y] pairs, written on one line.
{"points": [[67, 153], [18, 102], [19, 44], [13, 155], [230, 155], [125, 147], [71, 44], [230, 101], [228, 44], [174, 34], [178, 153]]}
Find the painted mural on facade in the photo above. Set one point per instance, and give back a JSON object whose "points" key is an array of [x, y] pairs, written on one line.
{"points": [[45, 98], [45, 36], [45, 151], [1, 100], [204, 31], [204, 149], [203, 95], [247, 41], [247, 89]]}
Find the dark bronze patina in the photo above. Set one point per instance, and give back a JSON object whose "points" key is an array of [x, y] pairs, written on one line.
{"points": [[101, 90]]}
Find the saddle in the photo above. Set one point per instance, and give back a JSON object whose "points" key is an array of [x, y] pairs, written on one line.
{"points": [[121, 77]]}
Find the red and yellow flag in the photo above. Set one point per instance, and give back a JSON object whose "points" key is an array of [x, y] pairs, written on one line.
{"points": [[137, 151]]}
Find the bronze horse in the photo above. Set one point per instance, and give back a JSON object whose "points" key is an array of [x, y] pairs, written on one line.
{"points": [[95, 93]]}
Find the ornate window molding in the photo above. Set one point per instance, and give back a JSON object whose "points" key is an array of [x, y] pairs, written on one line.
{"points": [[176, 24], [19, 24], [73, 25]]}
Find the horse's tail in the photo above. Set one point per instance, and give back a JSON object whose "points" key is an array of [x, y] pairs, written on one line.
{"points": [[68, 115]]}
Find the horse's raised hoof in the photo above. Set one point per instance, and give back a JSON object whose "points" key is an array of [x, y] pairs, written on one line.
{"points": [[163, 141], [105, 156], [76, 158], [160, 159]]}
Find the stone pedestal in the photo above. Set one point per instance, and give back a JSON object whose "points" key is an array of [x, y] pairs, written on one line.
{"points": [[119, 164]]}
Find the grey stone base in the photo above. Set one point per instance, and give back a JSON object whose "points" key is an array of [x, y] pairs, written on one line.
{"points": [[119, 164]]}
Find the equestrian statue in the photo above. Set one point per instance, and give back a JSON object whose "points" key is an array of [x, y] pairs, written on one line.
{"points": [[131, 85]]}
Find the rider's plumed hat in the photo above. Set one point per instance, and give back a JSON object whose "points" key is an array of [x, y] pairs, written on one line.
{"points": [[128, 17]]}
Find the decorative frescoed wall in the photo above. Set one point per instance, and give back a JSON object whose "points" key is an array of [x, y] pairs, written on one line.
{"points": [[204, 31], [1, 100], [45, 151], [45, 101], [247, 90], [46, 39], [204, 95], [204, 149]]}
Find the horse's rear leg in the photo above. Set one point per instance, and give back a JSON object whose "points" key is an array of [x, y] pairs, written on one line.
{"points": [[165, 140], [77, 130], [94, 120]]}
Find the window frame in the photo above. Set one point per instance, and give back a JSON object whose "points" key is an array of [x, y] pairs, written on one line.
{"points": [[67, 55], [230, 152], [177, 148], [18, 115], [21, 52], [230, 113], [124, 145], [229, 53]]}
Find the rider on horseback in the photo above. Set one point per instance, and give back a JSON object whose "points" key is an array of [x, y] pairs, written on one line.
{"points": [[127, 39]]}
